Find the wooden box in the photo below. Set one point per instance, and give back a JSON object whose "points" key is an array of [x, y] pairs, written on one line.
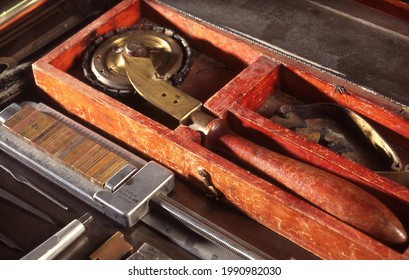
{"points": [[234, 78]]}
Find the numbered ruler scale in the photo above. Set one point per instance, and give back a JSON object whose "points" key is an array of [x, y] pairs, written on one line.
{"points": [[110, 179]]}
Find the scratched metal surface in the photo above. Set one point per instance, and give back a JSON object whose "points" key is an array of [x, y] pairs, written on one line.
{"points": [[365, 46]]}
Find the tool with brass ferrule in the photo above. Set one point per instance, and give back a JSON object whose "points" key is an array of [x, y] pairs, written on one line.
{"points": [[104, 175], [139, 66]]}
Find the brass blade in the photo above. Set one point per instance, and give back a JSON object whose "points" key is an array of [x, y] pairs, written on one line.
{"points": [[157, 91]]}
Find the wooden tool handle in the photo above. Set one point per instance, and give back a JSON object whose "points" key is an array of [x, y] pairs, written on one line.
{"points": [[333, 194]]}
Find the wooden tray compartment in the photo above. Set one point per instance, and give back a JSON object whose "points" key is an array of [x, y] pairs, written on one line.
{"points": [[244, 109], [178, 148]]}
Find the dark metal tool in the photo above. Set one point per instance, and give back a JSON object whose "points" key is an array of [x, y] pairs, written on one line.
{"points": [[26, 182], [13, 11], [10, 243], [85, 9], [209, 241], [20, 203], [138, 57], [295, 117], [344, 115]]}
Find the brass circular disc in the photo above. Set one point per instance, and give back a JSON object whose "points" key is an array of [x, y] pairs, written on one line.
{"points": [[108, 65]]}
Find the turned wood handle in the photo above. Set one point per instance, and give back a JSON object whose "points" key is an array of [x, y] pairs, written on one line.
{"points": [[333, 194]]}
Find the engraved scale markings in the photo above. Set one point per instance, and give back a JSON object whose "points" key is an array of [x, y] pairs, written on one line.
{"points": [[65, 144], [16, 118], [126, 203]]}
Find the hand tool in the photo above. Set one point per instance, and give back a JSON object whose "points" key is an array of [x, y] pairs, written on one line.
{"points": [[84, 9], [133, 60], [208, 241], [350, 119], [56, 244], [10, 243], [15, 10], [26, 182], [390, 165], [24, 205], [101, 173]]}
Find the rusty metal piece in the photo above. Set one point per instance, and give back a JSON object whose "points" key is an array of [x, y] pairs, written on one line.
{"points": [[335, 141], [339, 89], [115, 248], [286, 117], [313, 136]]}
